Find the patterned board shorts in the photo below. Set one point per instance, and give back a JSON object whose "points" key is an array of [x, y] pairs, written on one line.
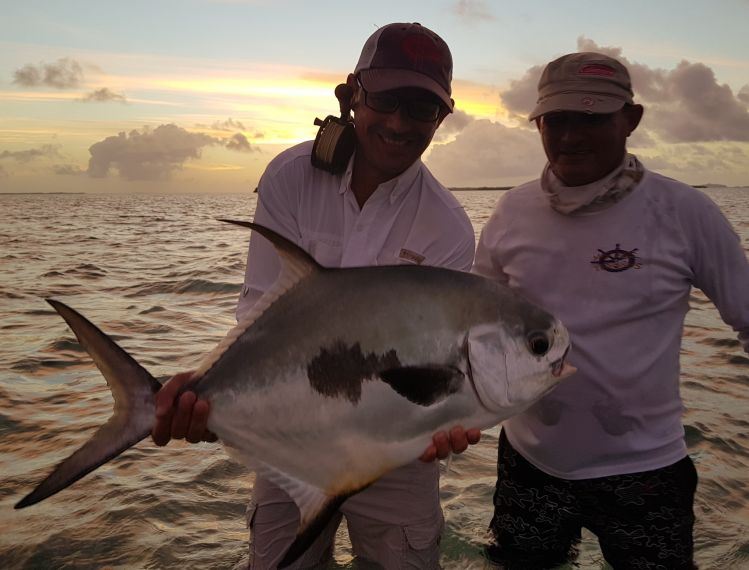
{"points": [[642, 520]]}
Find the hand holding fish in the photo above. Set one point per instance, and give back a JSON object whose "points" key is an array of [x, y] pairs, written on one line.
{"points": [[180, 416], [456, 440]]}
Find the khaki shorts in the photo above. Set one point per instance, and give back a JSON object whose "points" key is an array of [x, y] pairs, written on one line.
{"points": [[395, 523]]}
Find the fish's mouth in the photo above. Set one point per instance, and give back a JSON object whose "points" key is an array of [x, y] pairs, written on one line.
{"points": [[559, 368]]}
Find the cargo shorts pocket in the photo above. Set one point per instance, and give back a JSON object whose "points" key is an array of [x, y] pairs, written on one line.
{"points": [[422, 545]]}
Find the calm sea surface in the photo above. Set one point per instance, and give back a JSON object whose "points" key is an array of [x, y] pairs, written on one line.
{"points": [[162, 276]]}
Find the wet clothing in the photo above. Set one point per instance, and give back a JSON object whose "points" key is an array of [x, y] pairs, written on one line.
{"points": [[620, 280], [605, 449], [397, 521], [643, 520]]}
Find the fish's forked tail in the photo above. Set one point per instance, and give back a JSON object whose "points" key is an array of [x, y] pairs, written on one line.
{"points": [[133, 390]]}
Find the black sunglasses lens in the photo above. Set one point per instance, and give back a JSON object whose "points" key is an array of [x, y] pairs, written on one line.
{"points": [[423, 110], [418, 109], [381, 102]]}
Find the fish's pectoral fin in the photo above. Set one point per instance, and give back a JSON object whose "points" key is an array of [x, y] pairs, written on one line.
{"points": [[424, 385], [132, 389]]}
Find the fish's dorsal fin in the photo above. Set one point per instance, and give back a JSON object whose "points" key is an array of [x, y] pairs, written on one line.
{"points": [[296, 264], [316, 509]]}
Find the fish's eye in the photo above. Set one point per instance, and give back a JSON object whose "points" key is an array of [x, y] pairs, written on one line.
{"points": [[538, 342]]}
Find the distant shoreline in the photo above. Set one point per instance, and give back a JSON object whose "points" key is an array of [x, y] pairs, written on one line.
{"points": [[482, 188], [707, 186]]}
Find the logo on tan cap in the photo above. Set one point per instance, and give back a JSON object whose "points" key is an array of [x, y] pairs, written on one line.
{"points": [[597, 69]]}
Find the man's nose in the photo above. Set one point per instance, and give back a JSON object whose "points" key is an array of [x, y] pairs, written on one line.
{"points": [[569, 131]]}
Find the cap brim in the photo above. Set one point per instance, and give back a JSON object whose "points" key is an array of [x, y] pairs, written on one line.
{"points": [[577, 102], [387, 79]]}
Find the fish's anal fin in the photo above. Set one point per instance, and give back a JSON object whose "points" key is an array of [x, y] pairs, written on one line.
{"points": [[296, 264], [309, 533], [424, 385], [316, 508]]}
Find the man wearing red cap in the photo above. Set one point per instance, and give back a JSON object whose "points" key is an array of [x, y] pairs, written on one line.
{"points": [[383, 208], [613, 250]]}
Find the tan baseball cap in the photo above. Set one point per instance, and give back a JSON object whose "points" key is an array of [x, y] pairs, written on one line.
{"points": [[406, 55], [586, 82]]}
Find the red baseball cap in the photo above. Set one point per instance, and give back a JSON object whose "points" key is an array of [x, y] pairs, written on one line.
{"points": [[406, 55]]}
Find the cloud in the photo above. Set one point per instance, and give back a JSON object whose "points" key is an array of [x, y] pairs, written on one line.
{"points": [[67, 170], [485, 153], [473, 10], [65, 73], [744, 94], [685, 104], [239, 143], [45, 151], [150, 154], [454, 123], [228, 125], [104, 95], [700, 163], [520, 98]]}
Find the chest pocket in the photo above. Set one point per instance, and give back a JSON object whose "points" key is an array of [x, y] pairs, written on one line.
{"points": [[327, 250]]}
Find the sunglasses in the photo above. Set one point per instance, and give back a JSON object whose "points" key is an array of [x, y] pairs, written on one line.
{"points": [[419, 109], [569, 118]]}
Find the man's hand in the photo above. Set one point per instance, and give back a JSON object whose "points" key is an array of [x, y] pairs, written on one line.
{"points": [[456, 440], [185, 418]]}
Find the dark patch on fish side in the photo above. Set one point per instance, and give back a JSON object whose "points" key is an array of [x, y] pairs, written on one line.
{"points": [[341, 369], [424, 385]]}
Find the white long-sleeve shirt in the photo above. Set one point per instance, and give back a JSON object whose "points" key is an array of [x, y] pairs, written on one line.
{"points": [[409, 219], [620, 280]]}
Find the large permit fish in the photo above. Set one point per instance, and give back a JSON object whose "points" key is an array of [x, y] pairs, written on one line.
{"points": [[338, 376]]}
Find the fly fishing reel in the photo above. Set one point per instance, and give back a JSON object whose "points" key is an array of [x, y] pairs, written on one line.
{"points": [[336, 137]]}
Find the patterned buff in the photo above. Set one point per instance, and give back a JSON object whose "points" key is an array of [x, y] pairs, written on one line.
{"points": [[595, 196]]}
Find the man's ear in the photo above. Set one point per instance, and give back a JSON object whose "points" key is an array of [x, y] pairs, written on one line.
{"points": [[444, 112], [634, 116], [353, 90], [345, 95]]}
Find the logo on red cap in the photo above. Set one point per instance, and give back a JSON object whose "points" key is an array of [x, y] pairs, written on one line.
{"points": [[420, 47]]}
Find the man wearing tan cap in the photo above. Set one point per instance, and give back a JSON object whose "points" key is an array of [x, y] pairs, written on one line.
{"points": [[383, 207], [613, 250]]}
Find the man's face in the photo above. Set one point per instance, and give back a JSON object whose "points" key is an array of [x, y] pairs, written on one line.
{"points": [[390, 142], [583, 147]]}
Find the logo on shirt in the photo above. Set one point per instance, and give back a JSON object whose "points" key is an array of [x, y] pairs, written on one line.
{"points": [[411, 256], [616, 260]]}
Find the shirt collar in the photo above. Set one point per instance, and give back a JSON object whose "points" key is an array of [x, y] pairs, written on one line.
{"points": [[395, 187]]}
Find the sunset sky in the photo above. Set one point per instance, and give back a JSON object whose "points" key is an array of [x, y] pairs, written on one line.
{"points": [[198, 95]]}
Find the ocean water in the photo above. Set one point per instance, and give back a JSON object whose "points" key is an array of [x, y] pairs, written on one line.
{"points": [[161, 275]]}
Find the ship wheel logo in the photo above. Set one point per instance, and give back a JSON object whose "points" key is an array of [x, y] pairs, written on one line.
{"points": [[616, 260]]}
